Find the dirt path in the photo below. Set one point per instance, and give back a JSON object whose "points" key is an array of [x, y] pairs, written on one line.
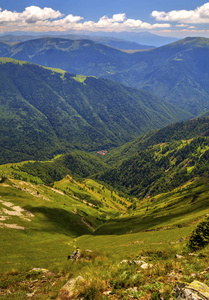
{"points": [[89, 226]]}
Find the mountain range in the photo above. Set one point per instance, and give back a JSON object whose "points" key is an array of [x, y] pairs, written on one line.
{"points": [[108, 41], [120, 40], [177, 72], [135, 214], [48, 111]]}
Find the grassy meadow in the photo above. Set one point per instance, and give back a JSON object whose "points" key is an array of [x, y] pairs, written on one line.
{"points": [[41, 225]]}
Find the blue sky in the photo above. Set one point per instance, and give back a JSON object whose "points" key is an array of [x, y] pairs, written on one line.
{"points": [[177, 18]]}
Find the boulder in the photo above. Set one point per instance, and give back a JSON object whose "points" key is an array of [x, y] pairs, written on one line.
{"points": [[192, 291], [67, 291]]}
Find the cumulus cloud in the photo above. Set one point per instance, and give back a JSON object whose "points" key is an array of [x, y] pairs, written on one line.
{"points": [[199, 15], [34, 18], [31, 14], [119, 22]]}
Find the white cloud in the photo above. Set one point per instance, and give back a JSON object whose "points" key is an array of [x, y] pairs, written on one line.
{"points": [[34, 18], [34, 14], [198, 16], [31, 14], [118, 22], [181, 25]]}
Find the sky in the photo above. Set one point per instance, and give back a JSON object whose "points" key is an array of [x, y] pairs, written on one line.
{"points": [[179, 18]]}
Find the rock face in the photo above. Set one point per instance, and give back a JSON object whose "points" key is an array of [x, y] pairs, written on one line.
{"points": [[193, 291], [67, 291]]}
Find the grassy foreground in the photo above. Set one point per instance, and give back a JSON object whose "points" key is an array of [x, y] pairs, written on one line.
{"points": [[41, 225]]}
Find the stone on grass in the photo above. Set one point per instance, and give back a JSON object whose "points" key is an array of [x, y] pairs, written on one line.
{"points": [[40, 270], [178, 256], [141, 263], [192, 291], [107, 293], [181, 240], [134, 289], [67, 291], [146, 266], [192, 254], [125, 261]]}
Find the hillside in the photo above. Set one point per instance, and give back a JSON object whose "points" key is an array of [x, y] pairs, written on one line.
{"points": [[177, 72], [173, 133], [45, 112], [130, 246], [76, 56], [160, 161]]}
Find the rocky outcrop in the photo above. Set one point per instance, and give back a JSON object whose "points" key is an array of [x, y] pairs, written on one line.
{"points": [[193, 291], [67, 291]]}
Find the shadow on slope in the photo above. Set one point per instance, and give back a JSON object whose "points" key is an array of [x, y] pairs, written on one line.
{"points": [[179, 212], [58, 220]]}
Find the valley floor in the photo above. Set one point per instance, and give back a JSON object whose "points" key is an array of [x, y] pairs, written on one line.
{"points": [[41, 225]]}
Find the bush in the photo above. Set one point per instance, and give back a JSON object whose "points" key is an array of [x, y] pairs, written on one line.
{"points": [[199, 237]]}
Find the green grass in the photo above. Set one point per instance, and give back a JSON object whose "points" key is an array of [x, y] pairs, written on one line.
{"points": [[57, 70], [177, 208], [80, 78], [5, 60], [60, 223]]}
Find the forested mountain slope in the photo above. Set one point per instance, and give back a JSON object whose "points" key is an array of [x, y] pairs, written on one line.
{"points": [[46, 111], [160, 161], [178, 72], [76, 56]]}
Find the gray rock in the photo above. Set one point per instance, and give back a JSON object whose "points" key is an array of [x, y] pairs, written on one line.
{"points": [[125, 261], [181, 240], [193, 254], [178, 256], [146, 266], [193, 291], [40, 270], [107, 293], [139, 262], [89, 251], [67, 291]]}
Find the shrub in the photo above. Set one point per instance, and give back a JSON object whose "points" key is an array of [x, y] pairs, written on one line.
{"points": [[199, 237]]}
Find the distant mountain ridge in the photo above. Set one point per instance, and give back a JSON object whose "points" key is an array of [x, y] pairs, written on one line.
{"points": [[144, 39], [178, 72], [49, 111], [109, 41]]}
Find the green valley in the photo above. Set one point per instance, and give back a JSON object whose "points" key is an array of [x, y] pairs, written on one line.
{"points": [[130, 213], [103, 186], [71, 112]]}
